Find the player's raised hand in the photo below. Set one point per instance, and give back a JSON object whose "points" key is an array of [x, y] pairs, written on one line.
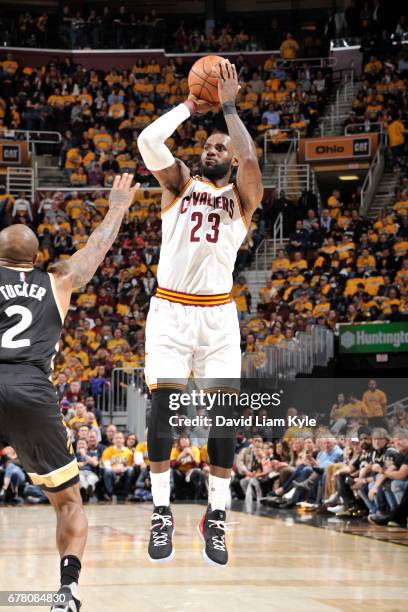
{"points": [[228, 85], [122, 193], [203, 106]]}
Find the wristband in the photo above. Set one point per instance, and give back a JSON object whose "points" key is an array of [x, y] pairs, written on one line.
{"points": [[192, 106], [228, 108]]}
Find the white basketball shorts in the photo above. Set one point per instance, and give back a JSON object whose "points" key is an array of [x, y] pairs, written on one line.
{"points": [[182, 339]]}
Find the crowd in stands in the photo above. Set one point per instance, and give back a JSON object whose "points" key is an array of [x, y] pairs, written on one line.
{"points": [[337, 267], [367, 21], [100, 114], [380, 104], [353, 464], [357, 468], [120, 27], [105, 27]]}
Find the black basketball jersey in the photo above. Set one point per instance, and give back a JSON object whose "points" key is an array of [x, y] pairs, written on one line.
{"points": [[30, 322]]}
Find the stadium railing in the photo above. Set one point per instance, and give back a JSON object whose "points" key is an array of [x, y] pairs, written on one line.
{"points": [[372, 180], [393, 408], [32, 137], [292, 143], [346, 87], [124, 402], [287, 359], [376, 127], [293, 179], [328, 122], [312, 62], [268, 248]]}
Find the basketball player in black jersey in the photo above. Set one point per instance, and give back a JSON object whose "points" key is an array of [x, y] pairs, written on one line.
{"points": [[33, 305]]}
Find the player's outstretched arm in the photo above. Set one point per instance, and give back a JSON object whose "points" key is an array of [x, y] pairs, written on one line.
{"points": [[171, 173], [249, 177], [81, 267]]}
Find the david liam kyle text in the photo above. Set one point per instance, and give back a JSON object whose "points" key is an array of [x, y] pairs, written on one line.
{"points": [[241, 421]]}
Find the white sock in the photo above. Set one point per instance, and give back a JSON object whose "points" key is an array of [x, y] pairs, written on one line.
{"points": [[161, 488], [218, 491]]}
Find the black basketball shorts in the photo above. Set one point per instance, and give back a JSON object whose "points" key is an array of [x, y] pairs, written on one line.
{"points": [[30, 422]]}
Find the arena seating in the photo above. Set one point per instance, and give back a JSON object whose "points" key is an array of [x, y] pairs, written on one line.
{"points": [[337, 266]]}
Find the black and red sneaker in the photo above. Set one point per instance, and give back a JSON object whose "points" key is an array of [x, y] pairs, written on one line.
{"points": [[211, 529], [161, 533]]}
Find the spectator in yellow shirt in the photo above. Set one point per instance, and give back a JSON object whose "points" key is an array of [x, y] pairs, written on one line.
{"points": [[80, 415], [366, 261], [78, 178], [117, 461], [281, 263], [184, 461], [375, 400], [289, 48], [240, 293], [298, 262], [46, 225], [302, 304], [322, 307], [270, 63], [267, 293], [77, 352], [88, 299], [276, 336], [116, 110], [10, 65], [117, 340], [102, 140], [374, 65], [354, 408], [396, 139], [80, 238], [141, 456], [334, 204], [391, 300], [73, 159], [400, 246]]}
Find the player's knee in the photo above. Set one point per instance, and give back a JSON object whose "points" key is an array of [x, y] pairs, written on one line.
{"points": [[66, 501]]}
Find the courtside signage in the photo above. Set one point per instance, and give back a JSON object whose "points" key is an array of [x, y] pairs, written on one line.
{"points": [[373, 338]]}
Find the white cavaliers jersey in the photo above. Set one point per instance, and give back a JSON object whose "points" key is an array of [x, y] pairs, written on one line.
{"points": [[202, 230]]}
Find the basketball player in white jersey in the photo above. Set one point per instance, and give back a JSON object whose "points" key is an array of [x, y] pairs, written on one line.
{"points": [[192, 323]]}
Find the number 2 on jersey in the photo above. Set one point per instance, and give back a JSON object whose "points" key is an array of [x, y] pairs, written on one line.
{"points": [[213, 218], [7, 340]]}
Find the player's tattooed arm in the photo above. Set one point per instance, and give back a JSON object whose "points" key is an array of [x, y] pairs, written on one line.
{"points": [[81, 267], [249, 177]]}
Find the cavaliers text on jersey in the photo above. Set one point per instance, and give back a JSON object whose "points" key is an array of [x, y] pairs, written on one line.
{"points": [[202, 230]]}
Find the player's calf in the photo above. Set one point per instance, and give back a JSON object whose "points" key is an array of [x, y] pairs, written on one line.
{"points": [[72, 529]]}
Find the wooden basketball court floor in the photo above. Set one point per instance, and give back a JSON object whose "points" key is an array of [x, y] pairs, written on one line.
{"points": [[274, 564]]}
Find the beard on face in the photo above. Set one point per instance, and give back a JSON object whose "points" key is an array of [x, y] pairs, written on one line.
{"points": [[216, 171]]}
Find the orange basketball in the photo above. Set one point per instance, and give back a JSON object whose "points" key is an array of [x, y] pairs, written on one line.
{"points": [[201, 81]]}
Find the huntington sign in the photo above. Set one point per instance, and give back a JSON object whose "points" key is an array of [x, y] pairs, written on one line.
{"points": [[373, 338]]}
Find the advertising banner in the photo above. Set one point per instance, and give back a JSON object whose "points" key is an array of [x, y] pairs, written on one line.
{"points": [[358, 146], [373, 338]]}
